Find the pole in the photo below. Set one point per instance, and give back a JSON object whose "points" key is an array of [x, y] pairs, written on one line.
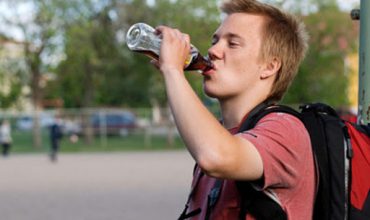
{"points": [[364, 68]]}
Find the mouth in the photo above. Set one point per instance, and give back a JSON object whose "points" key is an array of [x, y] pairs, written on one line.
{"points": [[209, 71]]}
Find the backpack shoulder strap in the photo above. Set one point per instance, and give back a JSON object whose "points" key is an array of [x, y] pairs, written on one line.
{"points": [[332, 150], [261, 111], [253, 201]]}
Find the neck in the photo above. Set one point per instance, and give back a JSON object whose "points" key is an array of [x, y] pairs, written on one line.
{"points": [[234, 109]]}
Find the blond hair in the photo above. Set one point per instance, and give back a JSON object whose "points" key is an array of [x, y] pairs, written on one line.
{"points": [[284, 37]]}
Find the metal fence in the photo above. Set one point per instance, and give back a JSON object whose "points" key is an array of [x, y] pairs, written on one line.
{"points": [[96, 124]]}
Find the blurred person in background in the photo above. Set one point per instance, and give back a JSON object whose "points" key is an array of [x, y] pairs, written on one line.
{"points": [[5, 137], [255, 52], [56, 135]]}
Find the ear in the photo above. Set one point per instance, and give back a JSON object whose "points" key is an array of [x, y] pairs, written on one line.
{"points": [[270, 68]]}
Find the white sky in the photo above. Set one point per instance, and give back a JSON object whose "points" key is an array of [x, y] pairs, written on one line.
{"points": [[348, 4]]}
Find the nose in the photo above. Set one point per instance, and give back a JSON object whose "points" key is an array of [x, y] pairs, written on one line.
{"points": [[215, 51]]}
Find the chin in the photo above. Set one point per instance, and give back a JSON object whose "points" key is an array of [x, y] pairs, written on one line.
{"points": [[214, 91], [208, 92], [211, 94]]}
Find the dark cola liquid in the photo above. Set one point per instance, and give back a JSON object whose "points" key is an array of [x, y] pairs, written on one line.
{"points": [[148, 53], [198, 62]]}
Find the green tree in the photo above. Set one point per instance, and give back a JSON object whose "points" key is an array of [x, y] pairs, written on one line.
{"points": [[90, 55], [11, 75], [120, 77], [39, 32], [323, 76], [197, 18], [10, 86], [95, 56]]}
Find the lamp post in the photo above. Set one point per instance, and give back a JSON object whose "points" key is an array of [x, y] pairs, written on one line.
{"points": [[364, 61]]}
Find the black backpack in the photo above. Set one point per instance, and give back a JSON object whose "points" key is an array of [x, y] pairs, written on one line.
{"points": [[342, 154], [340, 150]]}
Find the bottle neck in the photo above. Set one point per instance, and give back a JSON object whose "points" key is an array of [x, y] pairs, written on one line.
{"points": [[199, 62]]}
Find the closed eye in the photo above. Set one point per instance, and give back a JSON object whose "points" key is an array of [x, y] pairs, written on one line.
{"points": [[234, 40], [233, 44]]}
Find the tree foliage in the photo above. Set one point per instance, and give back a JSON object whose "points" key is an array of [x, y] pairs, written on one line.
{"points": [[39, 30], [96, 53], [11, 85], [12, 76], [97, 69], [323, 76]]}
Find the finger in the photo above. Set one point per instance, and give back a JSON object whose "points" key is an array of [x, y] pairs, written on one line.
{"points": [[167, 32], [160, 28], [164, 31], [177, 33], [160, 31], [186, 38]]}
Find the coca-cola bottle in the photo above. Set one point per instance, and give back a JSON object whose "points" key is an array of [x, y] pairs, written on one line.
{"points": [[143, 39]]}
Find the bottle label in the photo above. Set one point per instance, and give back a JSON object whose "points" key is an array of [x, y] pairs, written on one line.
{"points": [[193, 54]]}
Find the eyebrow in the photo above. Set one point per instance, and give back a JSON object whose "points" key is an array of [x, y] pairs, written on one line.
{"points": [[228, 35]]}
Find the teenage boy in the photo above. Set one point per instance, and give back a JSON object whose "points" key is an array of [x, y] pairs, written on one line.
{"points": [[255, 53]]}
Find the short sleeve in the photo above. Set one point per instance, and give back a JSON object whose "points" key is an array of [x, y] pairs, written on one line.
{"points": [[283, 143]]}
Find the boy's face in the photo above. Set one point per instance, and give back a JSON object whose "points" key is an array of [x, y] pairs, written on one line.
{"points": [[235, 53]]}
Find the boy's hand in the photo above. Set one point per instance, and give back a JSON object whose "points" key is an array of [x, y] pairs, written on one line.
{"points": [[175, 49]]}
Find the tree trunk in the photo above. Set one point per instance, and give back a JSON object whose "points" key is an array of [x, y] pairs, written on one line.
{"points": [[36, 102]]}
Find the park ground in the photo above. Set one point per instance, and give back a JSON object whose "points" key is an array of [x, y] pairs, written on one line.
{"points": [[95, 186]]}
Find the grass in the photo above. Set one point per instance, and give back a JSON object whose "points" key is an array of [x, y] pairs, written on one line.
{"points": [[22, 143]]}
